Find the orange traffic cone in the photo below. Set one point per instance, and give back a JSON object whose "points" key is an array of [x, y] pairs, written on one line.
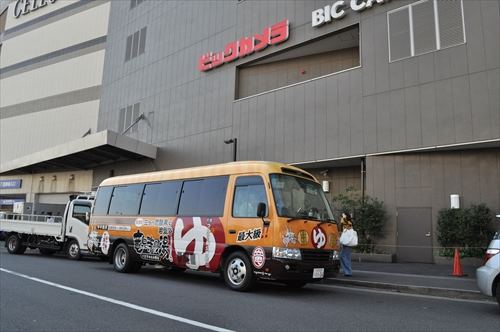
{"points": [[457, 267]]}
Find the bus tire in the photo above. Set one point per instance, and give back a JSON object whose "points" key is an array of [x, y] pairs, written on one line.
{"points": [[14, 245], [73, 250], [122, 261], [46, 252], [238, 272]]}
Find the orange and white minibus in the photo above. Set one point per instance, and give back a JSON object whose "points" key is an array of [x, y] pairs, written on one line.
{"points": [[247, 220]]}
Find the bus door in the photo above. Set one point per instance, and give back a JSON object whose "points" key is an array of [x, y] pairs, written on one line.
{"points": [[244, 227]]}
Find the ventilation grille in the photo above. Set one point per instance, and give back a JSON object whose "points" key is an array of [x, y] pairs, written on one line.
{"points": [[450, 22], [424, 27], [399, 34], [309, 255]]}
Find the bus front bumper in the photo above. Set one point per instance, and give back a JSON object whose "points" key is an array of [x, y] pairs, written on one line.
{"points": [[288, 269]]}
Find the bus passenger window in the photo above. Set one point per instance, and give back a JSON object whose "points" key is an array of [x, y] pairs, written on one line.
{"points": [[125, 200], [249, 191], [101, 204], [160, 199], [204, 197]]}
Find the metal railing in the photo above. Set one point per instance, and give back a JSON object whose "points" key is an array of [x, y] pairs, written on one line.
{"points": [[31, 217]]}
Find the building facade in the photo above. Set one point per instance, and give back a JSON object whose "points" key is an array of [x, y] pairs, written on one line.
{"points": [[396, 99], [51, 69]]}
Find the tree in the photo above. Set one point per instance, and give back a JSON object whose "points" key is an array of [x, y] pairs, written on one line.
{"points": [[368, 213], [469, 229]]}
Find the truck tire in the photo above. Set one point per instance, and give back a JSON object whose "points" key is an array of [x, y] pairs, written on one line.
{"points": [[238, 272], [73, 250], [46, 252], [14, 245], [122, 260]]}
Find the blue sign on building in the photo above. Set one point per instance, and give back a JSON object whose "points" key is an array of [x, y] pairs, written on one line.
{"points": [[10, 184], [10, 201]]}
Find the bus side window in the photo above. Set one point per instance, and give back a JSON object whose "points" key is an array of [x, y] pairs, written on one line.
{"points": [[125, 200], [102, 200], [203, 197], [249, 191], [160, 199]]}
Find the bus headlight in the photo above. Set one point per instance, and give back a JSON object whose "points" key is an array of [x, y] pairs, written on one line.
{"points": [[335, 255], [287, 253]]}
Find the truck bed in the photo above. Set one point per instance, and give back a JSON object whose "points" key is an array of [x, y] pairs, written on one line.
{"points": [[49, 226]]}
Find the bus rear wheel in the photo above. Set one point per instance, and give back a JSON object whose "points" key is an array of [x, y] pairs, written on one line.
{"points": [[122, 261], [14, 245], [238, 273]]}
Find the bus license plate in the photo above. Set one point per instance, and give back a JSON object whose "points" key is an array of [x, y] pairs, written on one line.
{"points": [[318, 273]]}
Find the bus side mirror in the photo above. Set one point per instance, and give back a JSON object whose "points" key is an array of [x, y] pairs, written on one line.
{"points": [[261, 213], [261, 210], [87, 217]]}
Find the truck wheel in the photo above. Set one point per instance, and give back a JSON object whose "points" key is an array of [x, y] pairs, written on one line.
{"points": [[14, 245], [46, 252], [73, 250], [238, 273], [122, 262]]}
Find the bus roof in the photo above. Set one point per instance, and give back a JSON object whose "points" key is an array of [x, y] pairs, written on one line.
{"points": [[238, 167]]}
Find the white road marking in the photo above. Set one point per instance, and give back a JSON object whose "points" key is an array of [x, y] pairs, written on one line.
{"points": [[121, 303], [388, 292]]}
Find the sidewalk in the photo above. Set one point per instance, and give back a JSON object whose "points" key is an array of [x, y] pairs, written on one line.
{"points": [[414, 278]]}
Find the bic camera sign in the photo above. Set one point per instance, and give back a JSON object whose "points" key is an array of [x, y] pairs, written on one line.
{"points": [[338, 10]]}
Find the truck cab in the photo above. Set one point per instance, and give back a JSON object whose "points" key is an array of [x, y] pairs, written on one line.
{"points": [[76, 225]]}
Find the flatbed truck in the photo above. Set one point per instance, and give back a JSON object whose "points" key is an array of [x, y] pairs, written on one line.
{"points": [[50, 234]]}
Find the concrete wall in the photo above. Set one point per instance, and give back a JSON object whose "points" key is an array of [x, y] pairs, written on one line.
{"points": [[51, 72], [45, 184]]}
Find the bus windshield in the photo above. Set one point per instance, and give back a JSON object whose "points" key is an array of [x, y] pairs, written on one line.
{"points": [[298, 198]]}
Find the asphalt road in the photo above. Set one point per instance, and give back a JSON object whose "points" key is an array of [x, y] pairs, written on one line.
{"points": [[55, 294]]}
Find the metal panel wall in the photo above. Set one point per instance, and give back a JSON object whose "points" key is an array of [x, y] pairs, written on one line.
{"points": [[444, 97]]}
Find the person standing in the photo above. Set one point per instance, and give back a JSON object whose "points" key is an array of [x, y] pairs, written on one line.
{"points": [[345, 254]]}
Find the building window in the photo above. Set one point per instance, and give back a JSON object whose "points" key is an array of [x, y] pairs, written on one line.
{"points": [[135, 3], [136, 44], [425, 26], [330, 54], [128, 115]]}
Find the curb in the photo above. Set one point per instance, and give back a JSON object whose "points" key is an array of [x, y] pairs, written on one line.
{"points": [[410, 289]]}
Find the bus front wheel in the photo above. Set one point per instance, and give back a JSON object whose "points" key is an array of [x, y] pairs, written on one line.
{"points": [[238, 273]]}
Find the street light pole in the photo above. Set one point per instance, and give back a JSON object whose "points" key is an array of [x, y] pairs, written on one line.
{"points": [[233, 141]]}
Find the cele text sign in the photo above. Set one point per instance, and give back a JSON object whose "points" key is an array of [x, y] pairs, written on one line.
{"points": [[24, 7], [236, 49], [338, 10]]}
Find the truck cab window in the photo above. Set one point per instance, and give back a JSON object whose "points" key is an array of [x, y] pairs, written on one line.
{"points": [[249, 191], [79, 212]]}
